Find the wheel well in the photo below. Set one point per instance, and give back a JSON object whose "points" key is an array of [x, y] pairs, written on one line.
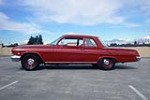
{"points": [[108, 58], [32, 54]]}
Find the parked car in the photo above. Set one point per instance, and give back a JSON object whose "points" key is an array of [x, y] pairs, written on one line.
{"points": [[77, 49]]}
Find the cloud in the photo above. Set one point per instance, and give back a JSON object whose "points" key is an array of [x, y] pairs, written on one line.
{"points": [[131, 25], [1, 2], [83, 12], [137, 6], [73, 33], [89, 12], [24, 42], [126, 25], [7, 24], [147, 37], [119, 41]]}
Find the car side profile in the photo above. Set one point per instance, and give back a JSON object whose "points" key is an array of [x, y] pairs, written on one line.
{"points": [[77, 49]]}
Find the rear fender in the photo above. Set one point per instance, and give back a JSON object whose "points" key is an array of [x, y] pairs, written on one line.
{"points": [[110, 57]]}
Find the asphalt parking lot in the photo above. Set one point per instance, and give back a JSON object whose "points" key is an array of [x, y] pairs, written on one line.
{"points": [[129, 81]]}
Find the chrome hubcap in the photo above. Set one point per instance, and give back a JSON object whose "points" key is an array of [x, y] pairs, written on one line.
{"points": [[106, 61], [30, 61]]}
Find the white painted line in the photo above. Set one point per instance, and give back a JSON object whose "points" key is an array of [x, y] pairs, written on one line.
{"points": [[138, 93], [8, 85]]}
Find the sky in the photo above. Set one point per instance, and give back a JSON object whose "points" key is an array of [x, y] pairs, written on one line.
{"points": [[107, 19]]}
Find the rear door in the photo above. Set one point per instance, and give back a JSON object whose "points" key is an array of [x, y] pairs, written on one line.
{"points": [[91, 51]]}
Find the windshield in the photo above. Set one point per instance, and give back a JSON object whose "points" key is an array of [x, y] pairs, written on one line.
{"points": [[55, 41]]}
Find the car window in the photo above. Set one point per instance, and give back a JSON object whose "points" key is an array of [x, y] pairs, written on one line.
{"points": [[55, 41], [90, 43], [71, 42]]}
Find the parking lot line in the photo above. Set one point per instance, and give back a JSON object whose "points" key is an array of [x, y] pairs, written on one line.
{"points": [[8, 85], [138, 92]]}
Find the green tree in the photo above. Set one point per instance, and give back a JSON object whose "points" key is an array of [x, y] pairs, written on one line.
{"points": [[40, 39], [135, 43], [35, 40], [31, 41]]}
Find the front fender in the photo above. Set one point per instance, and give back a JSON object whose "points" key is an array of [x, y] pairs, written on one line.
{"points": [[34, 53]]}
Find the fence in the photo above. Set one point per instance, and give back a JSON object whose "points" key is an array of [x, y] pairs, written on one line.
{"points": [[5, 50]]}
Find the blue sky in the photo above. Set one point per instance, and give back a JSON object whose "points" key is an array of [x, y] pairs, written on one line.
{"points": [[107, 19]]}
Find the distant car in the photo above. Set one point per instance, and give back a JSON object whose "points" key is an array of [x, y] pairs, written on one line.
{"points": [[77, 49]]}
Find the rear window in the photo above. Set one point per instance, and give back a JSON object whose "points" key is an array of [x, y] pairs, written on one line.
{"points": [[90, 42]]}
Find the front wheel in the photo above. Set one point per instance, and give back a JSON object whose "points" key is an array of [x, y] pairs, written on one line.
{"points": [[106, 64], [30, 62]]}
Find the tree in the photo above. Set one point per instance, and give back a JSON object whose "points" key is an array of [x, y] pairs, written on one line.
{"points": [[135, 43], [35, 40], [113, 44], [40, 39], [31, 40]]}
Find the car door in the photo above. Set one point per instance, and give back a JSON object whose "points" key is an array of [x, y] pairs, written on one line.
{"points": [[69, 50], [90, 51]]}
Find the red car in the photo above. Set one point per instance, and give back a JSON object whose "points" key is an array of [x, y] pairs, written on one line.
{"points": [[77, 49]]}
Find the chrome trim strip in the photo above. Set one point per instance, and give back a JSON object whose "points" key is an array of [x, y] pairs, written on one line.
{"points": [[15, 58], [71, 62], [138, 58]]}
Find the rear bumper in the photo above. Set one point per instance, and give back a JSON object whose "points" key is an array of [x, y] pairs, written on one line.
{"points": [[15, 58], [138, 58]]}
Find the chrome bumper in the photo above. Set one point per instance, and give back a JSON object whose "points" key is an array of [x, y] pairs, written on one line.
{"points": [[138, 58], [15, 58]]}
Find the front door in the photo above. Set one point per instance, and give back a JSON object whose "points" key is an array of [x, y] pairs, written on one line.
{"points": [[70, 51]]}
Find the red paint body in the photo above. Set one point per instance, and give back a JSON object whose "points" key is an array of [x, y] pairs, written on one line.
{"points": [[76, 54]]}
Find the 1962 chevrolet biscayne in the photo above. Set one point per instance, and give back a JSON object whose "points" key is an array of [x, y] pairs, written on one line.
{"points": [[80, 49]]}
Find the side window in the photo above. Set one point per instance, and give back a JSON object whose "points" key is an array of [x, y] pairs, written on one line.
{"points": [[90, 43], [71, 42]]}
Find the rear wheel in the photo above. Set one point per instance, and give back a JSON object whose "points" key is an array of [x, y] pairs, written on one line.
{"points": [[106, 64], [30, 62]]}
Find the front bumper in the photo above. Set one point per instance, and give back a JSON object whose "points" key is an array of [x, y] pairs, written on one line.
{"points": [[15, 58], [138, 58]]}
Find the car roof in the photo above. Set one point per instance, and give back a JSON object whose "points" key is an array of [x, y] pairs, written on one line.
{"points": [[79, 36]]}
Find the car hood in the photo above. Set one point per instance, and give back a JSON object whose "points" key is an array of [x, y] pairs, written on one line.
{"points": [[33, 46], [24, 48]]}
